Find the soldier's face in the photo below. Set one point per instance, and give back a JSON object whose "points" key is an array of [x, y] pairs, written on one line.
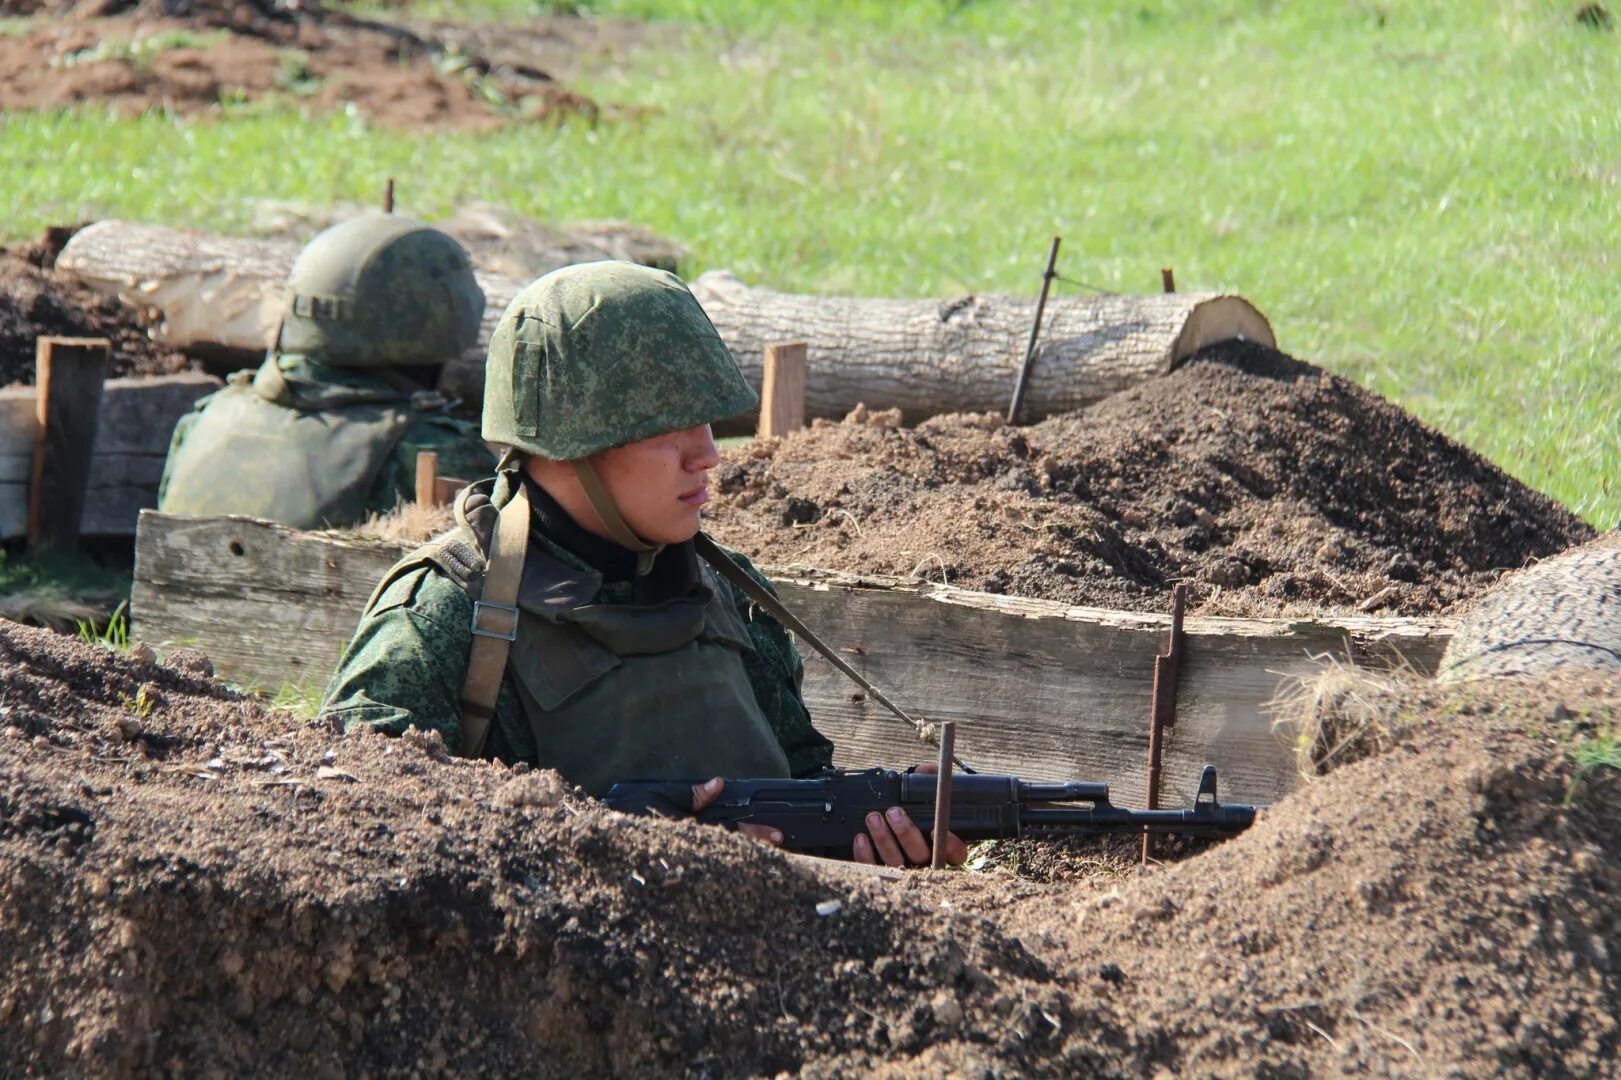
{"points": [[661, 484]]}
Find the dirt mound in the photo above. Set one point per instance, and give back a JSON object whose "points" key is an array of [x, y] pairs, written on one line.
{"points": [[195, 55], [36, 301], [1270, 485], [192, 884], [1447, 909], [227, 893]]}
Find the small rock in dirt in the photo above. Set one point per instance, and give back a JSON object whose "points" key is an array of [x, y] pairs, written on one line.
{"points": [[427, 740], [800, 512], [997, 583], [1402, 568], [190, 662], [948, 1012], [142, 653], [1228, 572], [542, 788]]}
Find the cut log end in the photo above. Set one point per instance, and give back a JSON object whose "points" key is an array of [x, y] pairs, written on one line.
{"points": [[1218, 319]]}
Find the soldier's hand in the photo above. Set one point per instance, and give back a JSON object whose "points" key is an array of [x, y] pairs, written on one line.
{"points": [[892, 838], [707, 792]]}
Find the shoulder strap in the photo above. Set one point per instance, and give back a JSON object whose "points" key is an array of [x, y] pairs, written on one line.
{"points": [[495, 622], [712, 554]]}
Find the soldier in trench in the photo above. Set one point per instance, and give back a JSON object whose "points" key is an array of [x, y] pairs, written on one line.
{"points": [[326, 431], [625, 655]]}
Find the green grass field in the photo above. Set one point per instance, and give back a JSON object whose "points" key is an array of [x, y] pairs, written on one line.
{"points": [[1422, 196]]}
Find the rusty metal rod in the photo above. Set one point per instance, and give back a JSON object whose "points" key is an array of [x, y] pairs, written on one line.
{"points": [[942, 795], [1035, 332], [388, 196], [1162, 706], [1167, 280]]}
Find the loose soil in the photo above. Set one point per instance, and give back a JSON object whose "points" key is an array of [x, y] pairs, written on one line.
{"points": [[1268, 485], [192, 56], [38, 301], [191, 884]]}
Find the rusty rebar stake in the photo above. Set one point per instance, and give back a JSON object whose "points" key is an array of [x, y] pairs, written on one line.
{"points": [[1035, 332], [1167, 279], [942, 795], [388, 196], [1162, 705]]}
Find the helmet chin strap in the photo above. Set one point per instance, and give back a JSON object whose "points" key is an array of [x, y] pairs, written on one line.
{"points": [[618, 530]]}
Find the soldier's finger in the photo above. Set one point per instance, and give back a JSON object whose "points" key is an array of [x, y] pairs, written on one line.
{"points": [[705, 793], [861, 851], [884, 840], [956, 850], [911, 839], [763, 833]]}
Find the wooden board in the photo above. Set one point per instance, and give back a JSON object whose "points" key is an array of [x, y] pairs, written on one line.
{"points": [[132, 439], [1047, 691], [1039, 689]]}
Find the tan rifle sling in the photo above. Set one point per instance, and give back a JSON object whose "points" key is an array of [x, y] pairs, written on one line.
{"points": [[495, 622]]}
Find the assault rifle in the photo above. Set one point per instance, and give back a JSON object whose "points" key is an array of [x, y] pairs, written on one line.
{"points": [[823, 814]]}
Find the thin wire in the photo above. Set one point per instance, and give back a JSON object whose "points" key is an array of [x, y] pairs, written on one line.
{"points": [[1100, 290]]}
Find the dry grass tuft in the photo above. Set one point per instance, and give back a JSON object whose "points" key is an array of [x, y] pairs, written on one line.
{"points": [[410, 521], [1341, 713]]}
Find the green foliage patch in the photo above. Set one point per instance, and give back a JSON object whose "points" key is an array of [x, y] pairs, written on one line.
{"points": [[1422, 197]]}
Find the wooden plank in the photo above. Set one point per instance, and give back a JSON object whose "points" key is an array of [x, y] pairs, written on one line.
{"points": [[137, 418], [1047, 691], [69, 373], [446, 488], [782, 390], [1039, 689], [138, 414]]}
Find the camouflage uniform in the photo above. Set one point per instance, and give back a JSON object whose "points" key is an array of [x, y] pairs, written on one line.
{"points": [[407, 661], [663, 671], [325, 432], [312, 446]]}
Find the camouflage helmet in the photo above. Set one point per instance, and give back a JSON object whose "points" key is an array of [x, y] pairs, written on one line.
{"points": [[601, 354], [381, 290]]}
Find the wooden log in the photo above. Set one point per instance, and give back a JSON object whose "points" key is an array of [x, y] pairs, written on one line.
{"points": [[137, 418], [68, 375], [962, 355], [1038, 689], [922, 356], [782, 390], [223, 294]]}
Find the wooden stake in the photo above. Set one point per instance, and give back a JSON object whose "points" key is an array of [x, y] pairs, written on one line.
{"points": [[1167, 279], [388, 196], [68, 377], [1162, 707], [942, 795], [427, 478], [782, 392]]}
